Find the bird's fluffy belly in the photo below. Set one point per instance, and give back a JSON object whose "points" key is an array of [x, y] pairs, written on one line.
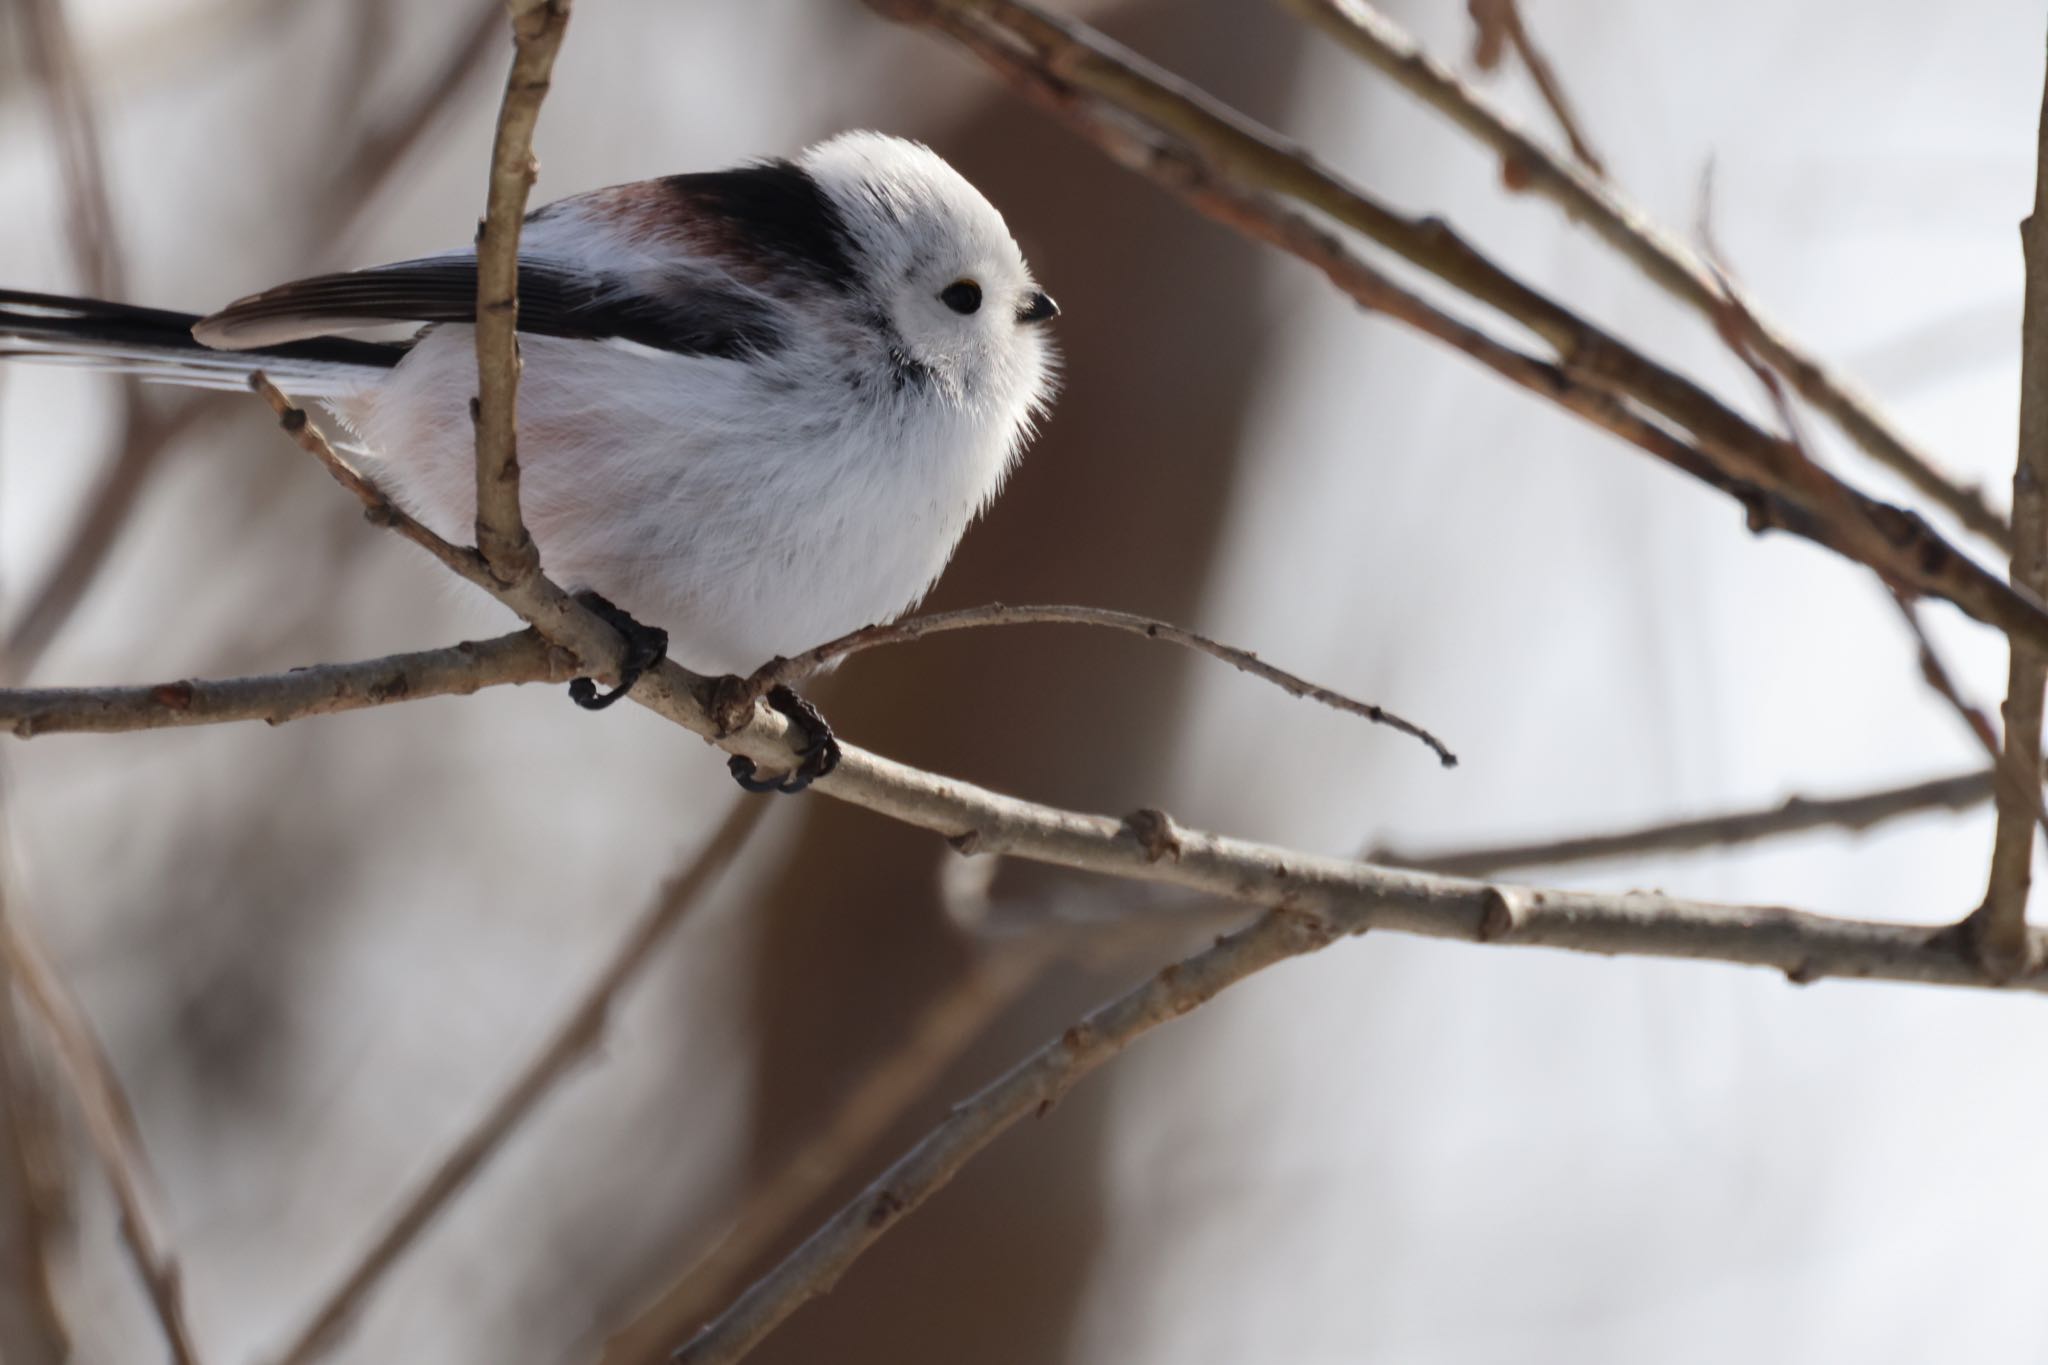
{"points": [[742, 545]]}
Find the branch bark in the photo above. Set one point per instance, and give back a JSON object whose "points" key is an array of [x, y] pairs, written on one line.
{"points": [[1227, 166], [537, 28], [944, 1030], [1794, 815], [1033, 1086], [1498, 24], [2000, 925], [323, 689], [1661, 257], [788, 671]]}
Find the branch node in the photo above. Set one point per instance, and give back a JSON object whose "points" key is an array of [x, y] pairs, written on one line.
{"points": [[1155, 832], [177, 696], [1502, 911], [886, 1205]]}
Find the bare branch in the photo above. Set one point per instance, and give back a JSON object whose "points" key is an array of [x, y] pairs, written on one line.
{"points": [[944, 1030], [150, 431], [1795, 815], [573, 1039], [1805, 946], [542, 604], [792, 670], [1941, 680], [111, 1122], [1206, 153], [1654, 251], [537, 27], [2000, 925], [1031, 1087], [1499, 25], [323, 689]]}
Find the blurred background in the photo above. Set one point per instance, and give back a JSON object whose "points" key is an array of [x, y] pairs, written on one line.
{"points": [[316, 953]]}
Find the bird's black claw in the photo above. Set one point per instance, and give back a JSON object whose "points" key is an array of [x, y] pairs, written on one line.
{"points": [[646, 646], [817, 755]]}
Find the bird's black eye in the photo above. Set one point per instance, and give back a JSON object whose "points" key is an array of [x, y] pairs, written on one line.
{"points": [[962, 296]]}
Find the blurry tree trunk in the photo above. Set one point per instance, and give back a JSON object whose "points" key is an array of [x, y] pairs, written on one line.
{"points": [[1123, 509]]}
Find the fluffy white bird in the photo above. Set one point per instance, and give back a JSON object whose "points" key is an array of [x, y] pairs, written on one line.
{"points": [[759, 406]]}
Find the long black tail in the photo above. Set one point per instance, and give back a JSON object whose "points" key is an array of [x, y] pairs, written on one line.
{"points": [[158, 345]]}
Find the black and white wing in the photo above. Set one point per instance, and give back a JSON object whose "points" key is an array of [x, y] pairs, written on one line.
{"points": [[694, 264]]}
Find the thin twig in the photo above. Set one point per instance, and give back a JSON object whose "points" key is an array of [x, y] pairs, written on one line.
{"points": [[792, 670], [1208, 154], [1940, 679], [1032, 1087], [2015, 784], [942, 1032], [559, 617], [1794, 815], [573, 1039], [151, 430], [379, 509], [1498, 25], [110, 1120], [537, 28], [2016, 779], [1654, 251], [1999, 926], [322, 689]]}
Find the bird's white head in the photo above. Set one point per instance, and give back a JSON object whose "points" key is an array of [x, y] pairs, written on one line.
{"points": [[943, 268]]}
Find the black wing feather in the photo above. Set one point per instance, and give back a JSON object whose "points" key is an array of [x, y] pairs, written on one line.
{"points": [[683, 315]]}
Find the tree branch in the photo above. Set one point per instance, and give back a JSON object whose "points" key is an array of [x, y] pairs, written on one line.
{"points": [[1498, 25], [1033, 1086], [537, 27], [110, 1120], [1207, 153], [2000, 924], [1795, 815], [951, 1023], [574, 1038], [1661, 257], [1149, 847], [788, 671], [323, 689]]}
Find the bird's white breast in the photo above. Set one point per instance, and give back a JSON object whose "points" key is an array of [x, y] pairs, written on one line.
{"points": [[750, 509]]}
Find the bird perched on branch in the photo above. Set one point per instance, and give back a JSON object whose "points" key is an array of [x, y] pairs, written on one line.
{"points": [[759, 406]]}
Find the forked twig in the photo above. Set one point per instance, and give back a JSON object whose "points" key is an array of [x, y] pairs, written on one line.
{"points": [[790, 670]]}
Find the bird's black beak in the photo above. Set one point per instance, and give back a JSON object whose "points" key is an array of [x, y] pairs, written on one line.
{"points": [[1038, 307]]}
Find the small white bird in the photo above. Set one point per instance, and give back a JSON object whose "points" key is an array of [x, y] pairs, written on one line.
{"points": [[759, 406]]}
